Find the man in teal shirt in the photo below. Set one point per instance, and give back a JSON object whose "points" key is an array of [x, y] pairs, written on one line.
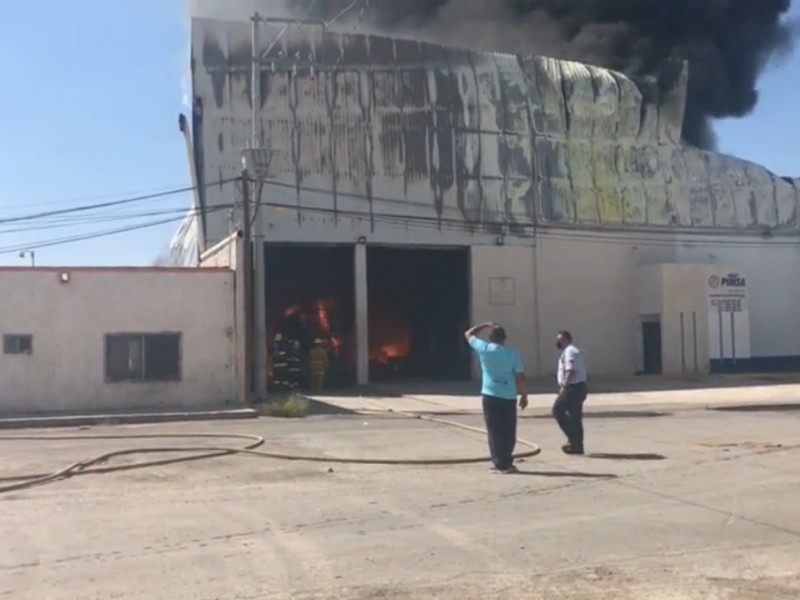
{"points": [[503, 378]]}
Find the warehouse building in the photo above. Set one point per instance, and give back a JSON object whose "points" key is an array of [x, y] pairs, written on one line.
{"points": [[415, 188]]}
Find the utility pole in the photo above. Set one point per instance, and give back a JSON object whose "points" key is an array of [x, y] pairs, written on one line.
{"points": [[247, 270], [261, 157]]}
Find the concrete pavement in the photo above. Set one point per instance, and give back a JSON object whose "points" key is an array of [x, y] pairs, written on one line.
{"points": [[690, 505], [127, 418], [653, 393]]}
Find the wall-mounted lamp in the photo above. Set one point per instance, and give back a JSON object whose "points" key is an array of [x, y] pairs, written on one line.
{"points": [[362, 241], [30, 254]]}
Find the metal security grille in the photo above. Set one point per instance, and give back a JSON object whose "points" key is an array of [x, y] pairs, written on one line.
{"points": [[17, 344], [150, 357]]}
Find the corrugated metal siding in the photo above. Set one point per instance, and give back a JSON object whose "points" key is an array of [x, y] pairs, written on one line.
{"points": [[367, 125]]}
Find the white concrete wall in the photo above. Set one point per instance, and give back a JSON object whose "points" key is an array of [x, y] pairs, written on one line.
{"points": [[685, 291], [516, 312], [228, 254], [588, 283], [69, 321], [772, 269], [728, 333], [587, 286], [649, 290]]}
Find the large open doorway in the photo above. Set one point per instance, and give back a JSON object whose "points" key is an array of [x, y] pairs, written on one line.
{"points": [[310, 294], [418, 309]]}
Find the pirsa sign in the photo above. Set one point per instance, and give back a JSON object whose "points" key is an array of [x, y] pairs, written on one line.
{"points": [[727, 282], [727, 304], [727, 292]]}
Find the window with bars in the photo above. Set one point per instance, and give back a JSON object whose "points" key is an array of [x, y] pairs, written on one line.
{"points": [[14, 343], [143, 357]]}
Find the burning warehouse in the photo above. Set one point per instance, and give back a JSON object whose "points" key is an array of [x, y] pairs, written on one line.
{"points": [[413, 188]]}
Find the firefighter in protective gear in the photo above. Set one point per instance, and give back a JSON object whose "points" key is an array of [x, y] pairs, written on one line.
{"points": [[295, 362], [318, 365], [280, 363]]}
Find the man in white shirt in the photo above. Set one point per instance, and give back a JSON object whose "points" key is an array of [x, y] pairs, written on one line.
{"points": [[572, 392]]}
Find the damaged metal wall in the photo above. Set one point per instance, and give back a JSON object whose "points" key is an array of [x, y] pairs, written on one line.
{"points": [[379, 131]]}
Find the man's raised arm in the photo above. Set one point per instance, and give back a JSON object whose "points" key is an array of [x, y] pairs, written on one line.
{"points": [[476, 329]]}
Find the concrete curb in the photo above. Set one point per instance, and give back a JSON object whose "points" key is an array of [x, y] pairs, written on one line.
{"points": [[126, 419]]}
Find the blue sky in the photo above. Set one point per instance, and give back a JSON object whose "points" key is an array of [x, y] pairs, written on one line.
{"points": [[89, 110]]}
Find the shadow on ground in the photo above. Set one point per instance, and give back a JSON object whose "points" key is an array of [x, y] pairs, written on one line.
{"points": [[758, 408], [567, 474], [611, 414], [623, 456], [323, 409]]}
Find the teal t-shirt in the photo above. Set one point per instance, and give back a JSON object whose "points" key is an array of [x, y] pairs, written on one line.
{"points": [[499, 366]]}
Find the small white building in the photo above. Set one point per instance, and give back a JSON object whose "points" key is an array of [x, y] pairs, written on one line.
{"points": [[117, 339]]}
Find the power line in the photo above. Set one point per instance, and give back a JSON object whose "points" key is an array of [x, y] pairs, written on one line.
{"points": [[283, 31], [82, 219], [91, 220], [403, 221], [83, 199], [342, 13], [630, 235], [515, 221], [99, 234], [90, 207], [457, 224]]}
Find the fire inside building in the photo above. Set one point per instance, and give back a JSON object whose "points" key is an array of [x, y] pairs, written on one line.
{"points": [[418, 304], [414, 188]]}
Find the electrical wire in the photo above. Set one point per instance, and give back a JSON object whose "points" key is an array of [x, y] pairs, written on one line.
{"points": [[283, 31], [361, 15], [631, 235], [93, 219], [123, 202], [515, 220], [519, 229], [83, 199], [97, 234], [537, 233], [342, 13]]}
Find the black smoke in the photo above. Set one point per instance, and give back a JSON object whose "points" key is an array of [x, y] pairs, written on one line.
{"points": [[727, 43]]}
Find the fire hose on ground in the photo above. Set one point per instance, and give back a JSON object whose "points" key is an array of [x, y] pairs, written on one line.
{"points": [[98, 465]]}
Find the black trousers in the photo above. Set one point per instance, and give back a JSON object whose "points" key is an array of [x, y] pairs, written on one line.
{"points": [[568, 411], [501, 425]]}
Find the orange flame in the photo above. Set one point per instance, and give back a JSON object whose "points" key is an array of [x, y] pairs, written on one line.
{"points": [[322, 317]]}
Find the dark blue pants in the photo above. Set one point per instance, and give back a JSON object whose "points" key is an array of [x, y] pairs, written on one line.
{"points": [[568, 411], [501, 425]]}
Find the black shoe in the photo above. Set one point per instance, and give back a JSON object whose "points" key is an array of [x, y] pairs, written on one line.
{"points": [[570, 449], [512, 470]]}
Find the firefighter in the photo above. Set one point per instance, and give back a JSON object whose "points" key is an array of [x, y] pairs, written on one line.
{"points": [[318, 366], [280, 363], [295, 364]]}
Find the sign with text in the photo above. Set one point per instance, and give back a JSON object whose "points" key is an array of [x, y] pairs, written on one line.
{"points": [[502, 291], [727, 292]]}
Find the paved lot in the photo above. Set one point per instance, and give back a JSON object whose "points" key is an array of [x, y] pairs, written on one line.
{"points": [[689, 504]]}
